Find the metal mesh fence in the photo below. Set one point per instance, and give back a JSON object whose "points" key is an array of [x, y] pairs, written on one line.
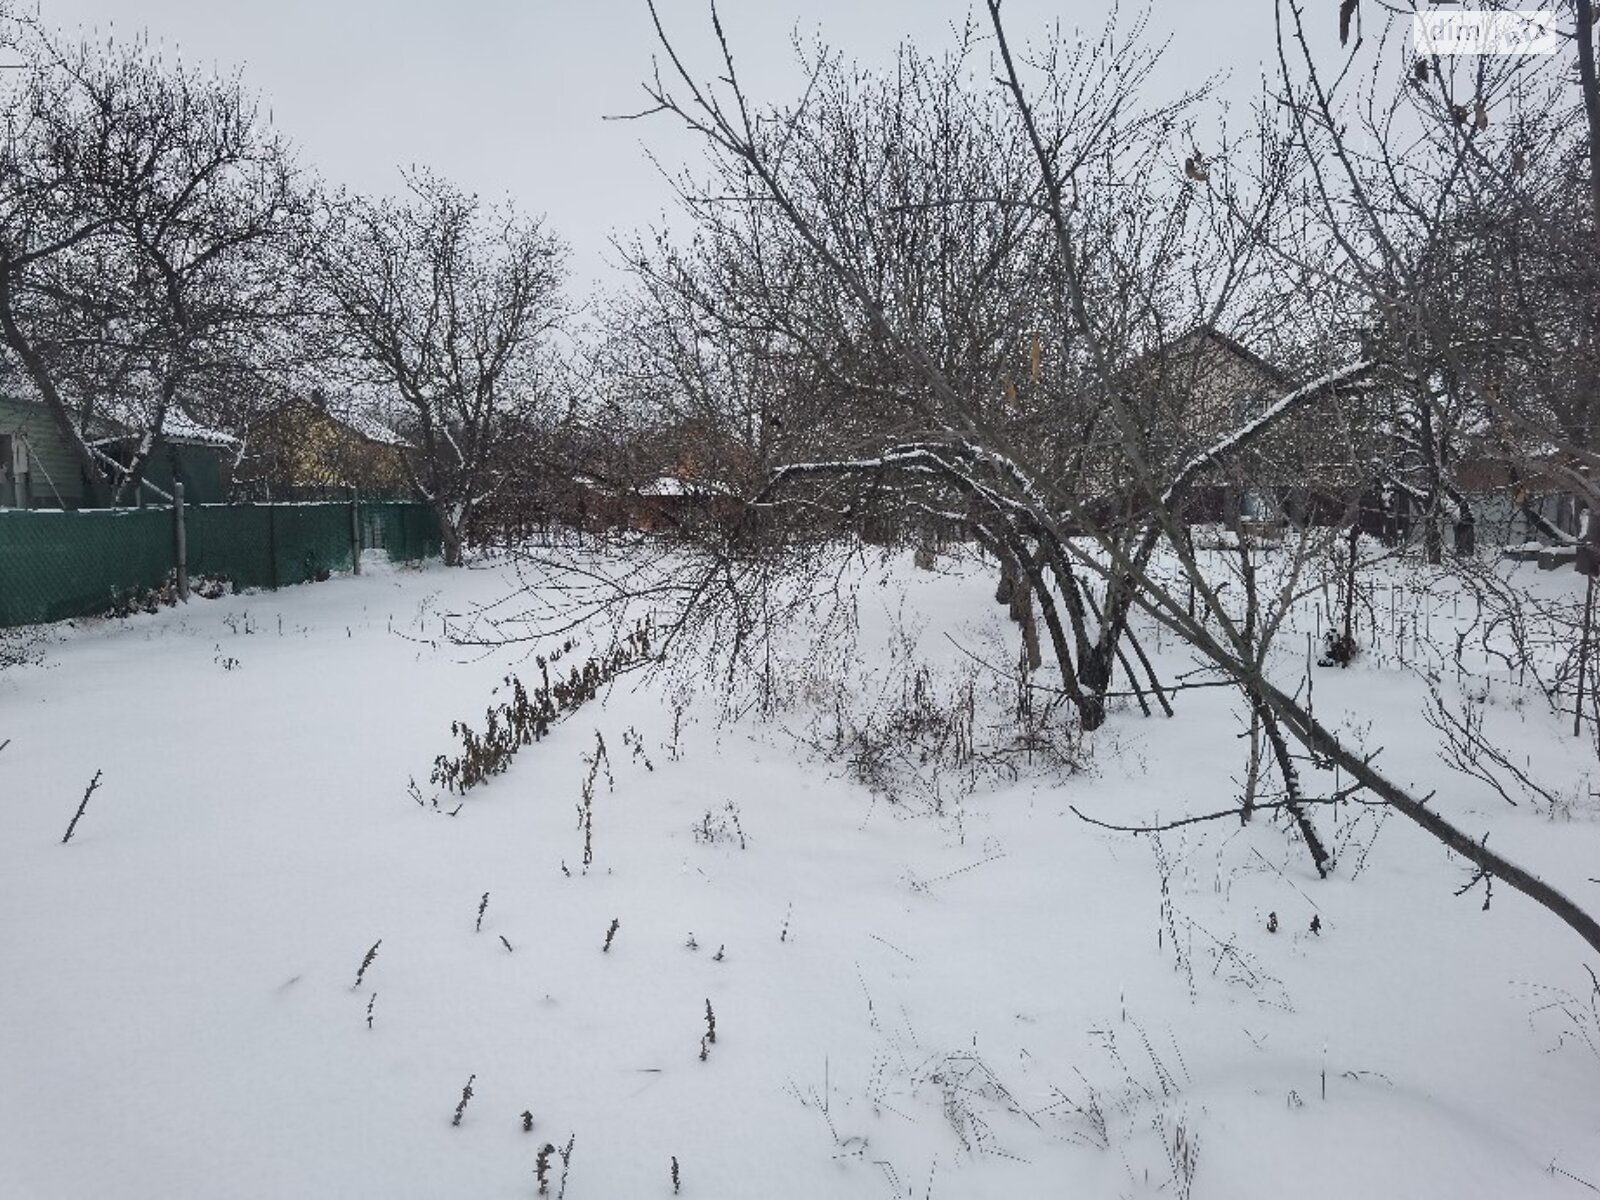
{"points": [[55, 565], [408, 532], [68, 564]]}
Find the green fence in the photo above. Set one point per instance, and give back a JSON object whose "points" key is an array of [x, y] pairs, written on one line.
{"points": [[55, 565]]}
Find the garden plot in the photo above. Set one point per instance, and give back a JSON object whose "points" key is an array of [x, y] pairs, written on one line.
{"points": [[276, 960]]}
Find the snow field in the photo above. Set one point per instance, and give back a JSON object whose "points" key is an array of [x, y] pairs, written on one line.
{"points": [[992, 1000]]}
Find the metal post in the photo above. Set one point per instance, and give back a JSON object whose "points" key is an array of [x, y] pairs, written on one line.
{"points": [[355, 532], [1583, 658], [180, 537], [272, 543]]}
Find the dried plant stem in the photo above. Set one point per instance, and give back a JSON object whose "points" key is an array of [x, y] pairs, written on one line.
{"points": [[365, 963], [566, 1165], [466, 1095], [82, 804], [541, 1168]]}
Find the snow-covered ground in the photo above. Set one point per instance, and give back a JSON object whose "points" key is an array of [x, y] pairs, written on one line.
{"points": [[963, 992]]}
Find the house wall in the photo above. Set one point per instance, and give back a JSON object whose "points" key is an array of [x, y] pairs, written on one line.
{"points": [[300, 448], [54, 478], [199, 468], [1500, 520]]}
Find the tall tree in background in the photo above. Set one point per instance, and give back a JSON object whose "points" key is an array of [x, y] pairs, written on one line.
{"points": [[442, 304], [146, 212]]}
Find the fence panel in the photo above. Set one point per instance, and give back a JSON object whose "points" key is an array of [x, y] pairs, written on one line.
{"points": [[233, 541], [69, 564], [55, 565], [409, 532]]}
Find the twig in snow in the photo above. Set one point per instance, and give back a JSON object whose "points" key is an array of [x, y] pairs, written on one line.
{"points": [[83, 804], [365, 963], [466, 1095], [566, 1164], [1162, 826], [1555, 1170], [1482, 874]]}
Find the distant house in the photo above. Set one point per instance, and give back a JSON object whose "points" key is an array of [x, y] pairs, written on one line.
{"points": [[1202, 386], [312, 448], [660, 504], [668, 503], [40, 469], [1207, 383], [1192, 391]]}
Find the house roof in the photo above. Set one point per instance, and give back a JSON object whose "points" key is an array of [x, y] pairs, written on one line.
{"points": [[354, 417], [118, 420], [365, 426], [1213, 335], [671, 485]]}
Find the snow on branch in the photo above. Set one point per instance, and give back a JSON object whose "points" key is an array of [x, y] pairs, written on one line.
{"points": [[928, 458], [1249, 431]]}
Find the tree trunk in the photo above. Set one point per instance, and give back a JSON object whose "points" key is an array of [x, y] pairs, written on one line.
{"points": [[1308, 730], [94, 478], [452, 537], [1291, 783]]}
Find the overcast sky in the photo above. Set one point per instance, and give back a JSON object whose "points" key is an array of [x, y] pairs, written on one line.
{"points": [[508, 96]]}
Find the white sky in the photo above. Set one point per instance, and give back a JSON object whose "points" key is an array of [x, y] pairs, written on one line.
{"points": [[508, 96]]}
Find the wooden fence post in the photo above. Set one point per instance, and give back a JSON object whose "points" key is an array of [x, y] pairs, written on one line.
{"points": [[355, 532], [180, 540]]}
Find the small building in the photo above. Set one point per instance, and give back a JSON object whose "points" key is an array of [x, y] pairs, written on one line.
{"points": [[39, 467], [670, 503], [186, 452]]}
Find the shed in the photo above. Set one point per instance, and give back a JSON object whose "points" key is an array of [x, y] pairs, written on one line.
{"points": [[39, 467], [186, 452]]}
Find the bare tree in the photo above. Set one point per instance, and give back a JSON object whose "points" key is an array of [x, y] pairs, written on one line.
{"points": [[1125, 236], [1454, 203], [441, 304], [145, 215]]}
